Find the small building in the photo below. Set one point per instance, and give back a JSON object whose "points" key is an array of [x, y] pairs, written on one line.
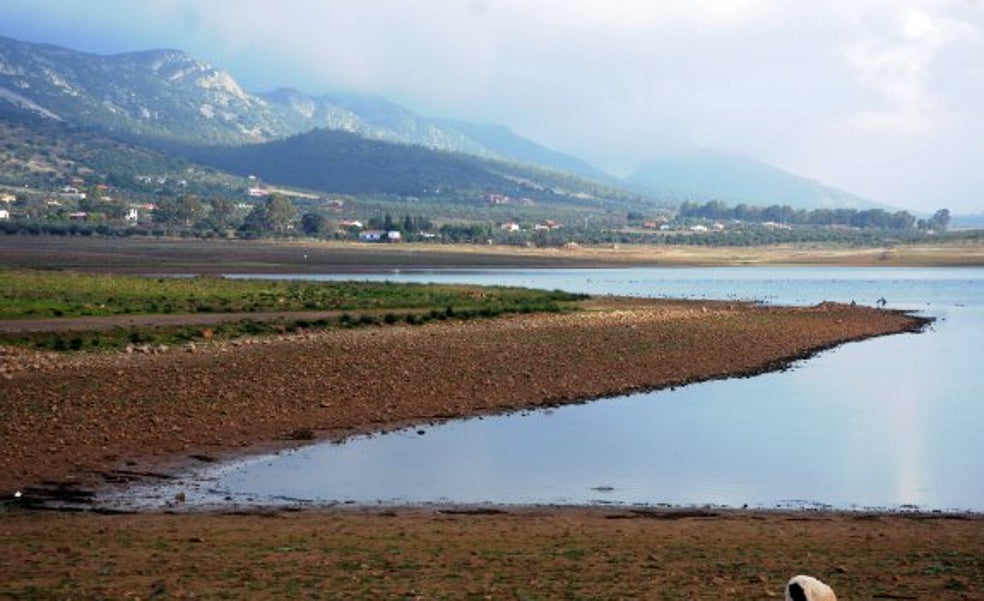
{"points": [[380, 236], [71, 193], [497, 199], [132, 214], [776, 226], [510, 226], [547, 225], [4, 214]]}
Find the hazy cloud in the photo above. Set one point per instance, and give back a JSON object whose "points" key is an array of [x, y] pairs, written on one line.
{"points": [[880, 97]]}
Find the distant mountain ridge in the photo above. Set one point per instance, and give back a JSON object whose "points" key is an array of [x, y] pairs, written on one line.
{"points": [[709, 175], [168, 99], [171, 96], [341, 162], [160, 93]]}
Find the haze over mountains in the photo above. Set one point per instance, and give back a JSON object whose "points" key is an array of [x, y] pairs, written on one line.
{"points": [[169, 100], [736, 180]]}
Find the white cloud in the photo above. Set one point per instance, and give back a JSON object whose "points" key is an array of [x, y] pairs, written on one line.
{"points": [[895, 55]]}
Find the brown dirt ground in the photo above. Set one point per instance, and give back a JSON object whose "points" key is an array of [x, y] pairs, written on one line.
{"points": [[519, 554], [74, 418]]}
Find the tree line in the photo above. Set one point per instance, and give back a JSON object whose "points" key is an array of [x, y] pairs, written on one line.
{"points": [[273, 215], [864, 219]]}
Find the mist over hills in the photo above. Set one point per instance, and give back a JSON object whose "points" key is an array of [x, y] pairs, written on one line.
{"points": [[168, 100], [736, 180]]}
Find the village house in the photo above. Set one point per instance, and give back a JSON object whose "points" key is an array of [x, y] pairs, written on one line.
{"points": [[497, 199], [777, 226], [380, 236], [4, 214], [502, 199], [71, 193], [510, 226], [654, 224]]}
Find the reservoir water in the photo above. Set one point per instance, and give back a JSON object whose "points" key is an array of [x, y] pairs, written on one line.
{"points": [[892, 423]]}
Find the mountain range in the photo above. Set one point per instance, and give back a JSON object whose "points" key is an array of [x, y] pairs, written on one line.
{"points": [[171, 102]]}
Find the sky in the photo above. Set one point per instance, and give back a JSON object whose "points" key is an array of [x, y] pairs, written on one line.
{"points": [[882, 98]]}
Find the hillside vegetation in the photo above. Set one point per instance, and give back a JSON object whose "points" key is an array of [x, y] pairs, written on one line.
{"points": [[345, 163]]}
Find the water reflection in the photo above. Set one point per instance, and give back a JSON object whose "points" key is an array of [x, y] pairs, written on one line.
{"points": [[883, 423]]}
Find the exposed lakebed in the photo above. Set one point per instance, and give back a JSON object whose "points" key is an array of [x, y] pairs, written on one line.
{"points": [[892, 422]]}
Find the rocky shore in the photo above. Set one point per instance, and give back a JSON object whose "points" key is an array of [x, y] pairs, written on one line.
{"points": [[86, 418]]}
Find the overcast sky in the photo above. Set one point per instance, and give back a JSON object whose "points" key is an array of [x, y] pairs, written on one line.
{"points": [[884, 98]]}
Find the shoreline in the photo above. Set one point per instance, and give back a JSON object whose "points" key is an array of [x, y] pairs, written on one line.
{"points": [[77, 420], [131, 413]]}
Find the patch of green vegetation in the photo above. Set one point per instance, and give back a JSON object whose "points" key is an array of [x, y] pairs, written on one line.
{"points": [[27, 295], [32, 294]]}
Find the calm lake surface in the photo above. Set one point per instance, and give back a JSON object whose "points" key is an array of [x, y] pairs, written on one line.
{"points": [[889, 423]]}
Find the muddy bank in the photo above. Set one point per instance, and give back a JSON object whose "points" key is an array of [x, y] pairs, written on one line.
{"points": [[92, 417], [183, 256]]}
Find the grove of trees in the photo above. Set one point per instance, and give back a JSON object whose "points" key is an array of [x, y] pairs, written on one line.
{"points": [[274, 215], [867, 218]]}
